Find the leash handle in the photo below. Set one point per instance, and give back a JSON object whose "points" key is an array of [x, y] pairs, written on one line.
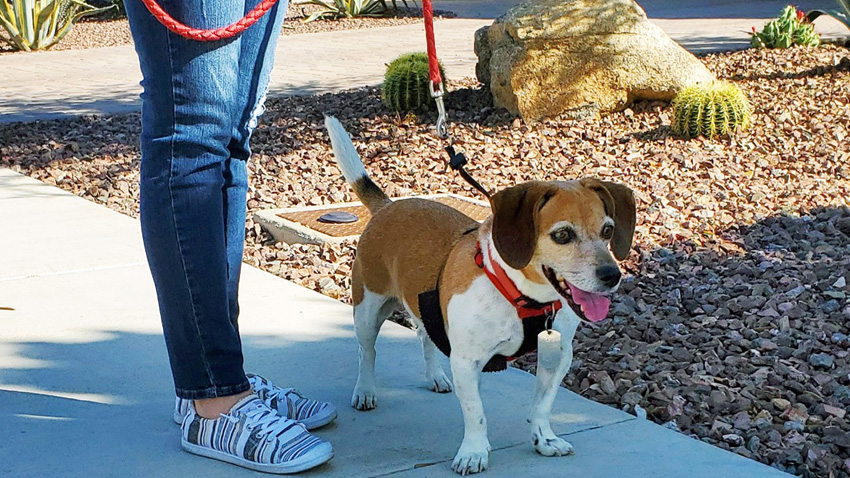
{"points": [[457, 161], [214, 34]]}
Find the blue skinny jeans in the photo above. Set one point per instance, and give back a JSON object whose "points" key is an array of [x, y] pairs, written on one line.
{"points": [[200, 103]]}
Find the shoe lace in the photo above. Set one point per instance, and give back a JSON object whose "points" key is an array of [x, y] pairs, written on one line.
{"points": [[270, 424], [264, 388]]}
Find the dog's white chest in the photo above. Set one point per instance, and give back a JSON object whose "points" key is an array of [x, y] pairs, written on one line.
{"points": [[482, 317]]}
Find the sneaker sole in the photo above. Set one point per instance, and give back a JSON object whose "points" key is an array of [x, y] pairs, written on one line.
{"points": [[312, 423], [318, 421], [316, 457]]}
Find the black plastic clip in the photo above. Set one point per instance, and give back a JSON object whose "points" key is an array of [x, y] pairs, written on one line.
{"points": [[457, 161]]}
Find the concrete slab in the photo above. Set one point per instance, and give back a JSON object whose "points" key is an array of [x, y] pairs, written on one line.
{"points": [[633, 449], [87, 360], [87, 393], [45, 230]]}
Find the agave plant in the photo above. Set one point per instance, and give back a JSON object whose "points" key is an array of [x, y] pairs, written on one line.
{"points": [[842, 13], [40, 24], [347, 8]]}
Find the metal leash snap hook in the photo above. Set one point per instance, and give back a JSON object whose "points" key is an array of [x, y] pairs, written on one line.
{"points": [[442, 122]]}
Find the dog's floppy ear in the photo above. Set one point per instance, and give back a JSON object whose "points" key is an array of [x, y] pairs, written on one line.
{"points": [[619, 203], [515, 212]]}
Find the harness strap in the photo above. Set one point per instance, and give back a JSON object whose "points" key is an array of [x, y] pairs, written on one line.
{"points": [[535, 316], [526, 306]]}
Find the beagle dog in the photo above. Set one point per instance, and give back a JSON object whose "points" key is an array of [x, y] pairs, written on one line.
{"points": [[545, 255]]}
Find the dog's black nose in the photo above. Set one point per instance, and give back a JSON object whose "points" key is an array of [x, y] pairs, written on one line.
{"points": [[608, 274]]}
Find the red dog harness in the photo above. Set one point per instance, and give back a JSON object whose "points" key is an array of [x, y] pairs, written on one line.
{"points": [[526, 307], [535, 316]]}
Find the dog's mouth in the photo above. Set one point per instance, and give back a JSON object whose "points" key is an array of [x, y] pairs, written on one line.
{"points": [[587, 305]]}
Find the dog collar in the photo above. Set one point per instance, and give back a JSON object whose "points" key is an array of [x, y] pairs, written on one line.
{"points": [[525, 306]]}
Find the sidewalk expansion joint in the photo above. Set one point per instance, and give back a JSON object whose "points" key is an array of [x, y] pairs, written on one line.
{"points": [[73, 271], [506, 447]]}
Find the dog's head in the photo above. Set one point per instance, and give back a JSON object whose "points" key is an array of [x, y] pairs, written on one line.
{"points": [[567, 232]]}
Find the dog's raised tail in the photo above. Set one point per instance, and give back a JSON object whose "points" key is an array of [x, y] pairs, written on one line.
{"points": [[351, 165]]}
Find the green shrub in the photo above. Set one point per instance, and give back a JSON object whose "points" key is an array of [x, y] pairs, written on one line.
{"points": [[791, 28], [406, 84], [40, 24], [842, 13], [348, 8], [710, 109], [116, 12]]}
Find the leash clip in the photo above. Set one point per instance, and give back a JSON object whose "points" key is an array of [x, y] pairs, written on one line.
{"points": [[550, 319], [442, 121]]}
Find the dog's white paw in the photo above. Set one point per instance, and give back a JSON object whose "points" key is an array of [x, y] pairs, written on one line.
{"points": [[364, 399], [470, 459], [552, 446], [439, 382]]}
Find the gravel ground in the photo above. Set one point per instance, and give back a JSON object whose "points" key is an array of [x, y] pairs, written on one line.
{"points": [[103, 33], [733, 321]]}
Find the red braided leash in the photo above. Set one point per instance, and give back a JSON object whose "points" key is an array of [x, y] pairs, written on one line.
{"points": [[433, 66], [198, 34]]}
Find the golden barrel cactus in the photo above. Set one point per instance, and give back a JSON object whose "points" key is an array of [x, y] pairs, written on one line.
{"points": [[710, 109]]}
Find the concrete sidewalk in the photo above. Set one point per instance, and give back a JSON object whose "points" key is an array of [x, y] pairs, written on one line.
{"points": [[86, 391], [47, 85]]}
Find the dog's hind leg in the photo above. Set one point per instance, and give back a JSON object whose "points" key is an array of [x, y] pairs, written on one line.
{"points": [[369, 315], [548, 382], [434, 373], [436, 377]]}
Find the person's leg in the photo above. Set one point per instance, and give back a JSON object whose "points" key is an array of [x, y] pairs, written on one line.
{"points": [[189, 106], [256, 59]]}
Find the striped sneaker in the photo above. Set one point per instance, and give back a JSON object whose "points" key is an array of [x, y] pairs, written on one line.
{"points": [[287, 401], [254, 436]]}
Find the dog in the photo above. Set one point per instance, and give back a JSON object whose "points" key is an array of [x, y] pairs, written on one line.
{"points": [[545, 251]]}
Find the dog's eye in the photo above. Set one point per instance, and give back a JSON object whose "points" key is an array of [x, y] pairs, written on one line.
{"points": [[607, 231], [563, 236]]}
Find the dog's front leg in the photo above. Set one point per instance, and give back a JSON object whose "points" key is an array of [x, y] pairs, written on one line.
{"points": [[474, 452], [544, 439]]}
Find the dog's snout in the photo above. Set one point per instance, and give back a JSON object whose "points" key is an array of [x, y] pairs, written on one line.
{"points": [[608, 275]]}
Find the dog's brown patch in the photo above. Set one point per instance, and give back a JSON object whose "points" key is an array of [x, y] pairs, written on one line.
{"points": [[404, 247]]}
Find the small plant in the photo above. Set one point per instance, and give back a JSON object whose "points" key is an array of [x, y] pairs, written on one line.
{"points": [[710, 109], [406, 84], [40, 24], [115, 9], [842, 13], [353, 8], [348, 8], [791, 28]]}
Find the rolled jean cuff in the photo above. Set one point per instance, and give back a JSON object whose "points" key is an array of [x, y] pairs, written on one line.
{"points": [[213, 392]]}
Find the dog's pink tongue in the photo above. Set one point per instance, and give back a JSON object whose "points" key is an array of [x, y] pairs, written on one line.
{"points": [[595, 305]]}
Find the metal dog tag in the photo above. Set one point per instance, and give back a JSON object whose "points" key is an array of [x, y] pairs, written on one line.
{"points": [[548, 350]]}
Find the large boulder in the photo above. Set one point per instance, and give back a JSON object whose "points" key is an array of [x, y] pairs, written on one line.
{"points": [[579, 57]]}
